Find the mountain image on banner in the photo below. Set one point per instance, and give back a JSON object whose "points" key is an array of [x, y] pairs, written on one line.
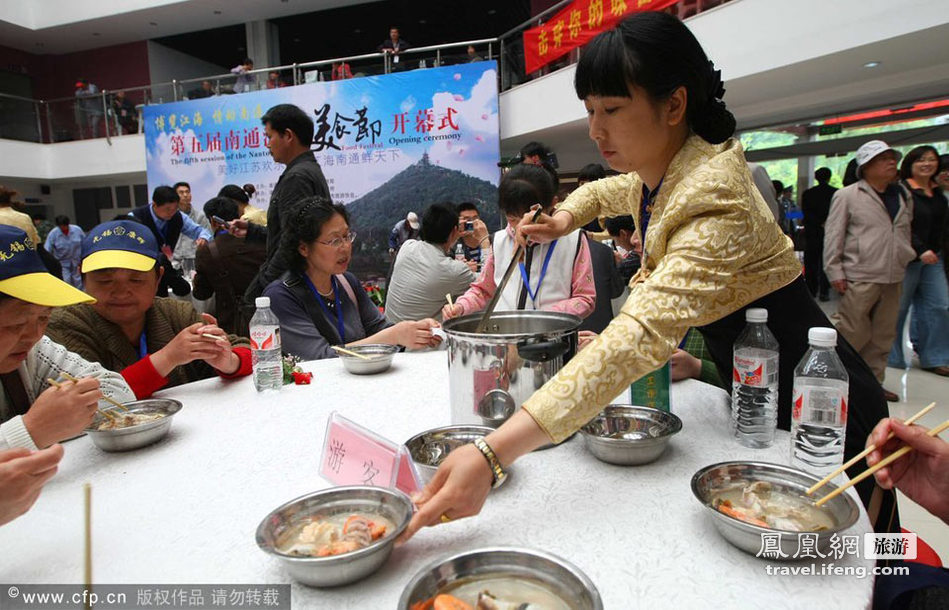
{"points": [[373, 215]]}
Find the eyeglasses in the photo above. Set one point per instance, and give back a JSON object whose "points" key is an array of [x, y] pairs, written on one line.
{"points": [[340, 241]]}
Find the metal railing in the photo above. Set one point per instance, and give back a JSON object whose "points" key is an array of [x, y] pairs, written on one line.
{"points": [[101, 115]]}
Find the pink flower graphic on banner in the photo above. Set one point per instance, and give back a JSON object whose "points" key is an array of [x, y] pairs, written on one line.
{"points": [[457, 76]]}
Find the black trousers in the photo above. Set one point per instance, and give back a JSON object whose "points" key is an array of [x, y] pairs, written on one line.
{"points": [[792, 311], [814, 261]]}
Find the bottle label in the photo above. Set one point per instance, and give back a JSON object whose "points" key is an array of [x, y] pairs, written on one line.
{"points": [[754, 372], [653, 389], [265, 337], [818, 405]]}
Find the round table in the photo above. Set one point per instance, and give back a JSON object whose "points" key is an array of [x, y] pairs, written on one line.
{"points": [[185, 510]]}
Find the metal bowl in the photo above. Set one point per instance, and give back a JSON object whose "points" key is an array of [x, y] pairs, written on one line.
{"points": [[380, 354], [430, 448], [133, 437], [557, 575], [709, 481], [629, 435], [338, 569]]}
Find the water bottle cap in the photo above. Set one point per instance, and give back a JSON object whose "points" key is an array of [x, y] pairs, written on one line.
{"points": [[822, 337], [262, 302], [756, 314]]}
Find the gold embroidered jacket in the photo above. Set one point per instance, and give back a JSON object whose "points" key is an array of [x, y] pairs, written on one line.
{"points": [[712, 246]]}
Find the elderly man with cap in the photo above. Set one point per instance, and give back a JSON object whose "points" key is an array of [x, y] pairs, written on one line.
{"points": [[867, 245], [402, 231], [34, 413], [153, 342]]}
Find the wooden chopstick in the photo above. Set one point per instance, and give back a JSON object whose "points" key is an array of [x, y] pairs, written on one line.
{"points": [[865, 452], [87, 526], [881, 464], [57, 384], [343, 350], [210, 336], [104, 397], [448, 298]]}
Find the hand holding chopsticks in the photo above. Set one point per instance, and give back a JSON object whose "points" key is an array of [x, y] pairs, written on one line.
{"points": [[870, 449], [926, 486], [104, 397]]}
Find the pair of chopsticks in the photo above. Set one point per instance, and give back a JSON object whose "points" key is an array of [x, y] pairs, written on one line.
{"points": [[343, 350], [57, 384], [87, 531], [881, 464]]}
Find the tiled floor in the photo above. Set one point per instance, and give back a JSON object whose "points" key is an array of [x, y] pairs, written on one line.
{"points": [[917, 388]]}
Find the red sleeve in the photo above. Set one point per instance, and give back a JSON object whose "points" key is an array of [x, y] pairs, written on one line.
{"points": [[246, 367], [143, 378]]}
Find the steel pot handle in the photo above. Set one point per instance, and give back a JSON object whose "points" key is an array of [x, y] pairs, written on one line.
{"points": [[543, 351]]}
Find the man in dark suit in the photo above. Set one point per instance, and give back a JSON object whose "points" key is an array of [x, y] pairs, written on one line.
{"points": [[815, 203], [167, 224], [226, 266]]}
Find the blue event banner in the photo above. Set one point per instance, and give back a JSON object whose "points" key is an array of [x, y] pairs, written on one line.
{"points": [[366, 132]]}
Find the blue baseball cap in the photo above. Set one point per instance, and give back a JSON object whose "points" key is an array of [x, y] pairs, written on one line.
{"points": [[119, 244], [24, 276]]}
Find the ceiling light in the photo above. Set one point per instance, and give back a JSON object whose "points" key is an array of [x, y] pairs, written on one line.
{"points": [[872, 64], [492, 11], [422, 21]]}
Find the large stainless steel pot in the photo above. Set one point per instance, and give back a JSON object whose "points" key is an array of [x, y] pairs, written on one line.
{"points": [[491, 374]]}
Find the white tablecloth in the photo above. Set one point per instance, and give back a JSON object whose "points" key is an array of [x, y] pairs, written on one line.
{"points": [[185, 510]]}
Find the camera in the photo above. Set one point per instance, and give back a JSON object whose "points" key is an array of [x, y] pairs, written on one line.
{"points": [[469, 225]]}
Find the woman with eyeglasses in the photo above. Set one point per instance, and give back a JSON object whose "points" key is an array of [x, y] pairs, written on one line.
{"points": [[318, 303]]}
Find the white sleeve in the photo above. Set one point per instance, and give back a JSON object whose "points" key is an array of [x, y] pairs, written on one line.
{"points": [[14, 434], [49, 360]]}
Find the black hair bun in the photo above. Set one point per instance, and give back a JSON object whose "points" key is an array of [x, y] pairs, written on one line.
{"points": [[713, 122]]}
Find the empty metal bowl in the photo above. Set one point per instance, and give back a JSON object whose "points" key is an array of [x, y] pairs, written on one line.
{"points": [[556, 575], [430, 448], [140, 435], [629, 435], [380, 358], [708, 482], [337, 569]]}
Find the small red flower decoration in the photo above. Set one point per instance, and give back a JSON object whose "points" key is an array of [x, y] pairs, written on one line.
{"points": [[301, 378]]}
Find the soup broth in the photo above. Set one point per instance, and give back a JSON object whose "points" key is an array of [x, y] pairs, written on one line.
{"points": [[324, 536], [766, 505], [505, 593]]}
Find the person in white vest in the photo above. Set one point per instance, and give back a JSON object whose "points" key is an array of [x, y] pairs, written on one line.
{"points": [[556, 276]]}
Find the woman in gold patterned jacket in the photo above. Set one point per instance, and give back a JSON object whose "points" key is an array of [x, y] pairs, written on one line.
{"points": [[711, 250]]}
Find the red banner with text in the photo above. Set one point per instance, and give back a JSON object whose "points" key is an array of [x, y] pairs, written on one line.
{"points": [[578, 24]]}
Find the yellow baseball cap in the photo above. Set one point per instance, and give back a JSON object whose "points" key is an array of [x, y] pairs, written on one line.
{"points": [[24, 276], [119, 244]]}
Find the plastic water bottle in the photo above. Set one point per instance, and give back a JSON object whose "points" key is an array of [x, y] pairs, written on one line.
{"points": [[819, 406], [755, 382], [460, 253], [265, 347]]}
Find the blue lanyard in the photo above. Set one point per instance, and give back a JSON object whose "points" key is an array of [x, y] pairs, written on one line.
{"points": [[645, 214], [543, 273], [339, 309], [649, 198], [142, 346]]}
